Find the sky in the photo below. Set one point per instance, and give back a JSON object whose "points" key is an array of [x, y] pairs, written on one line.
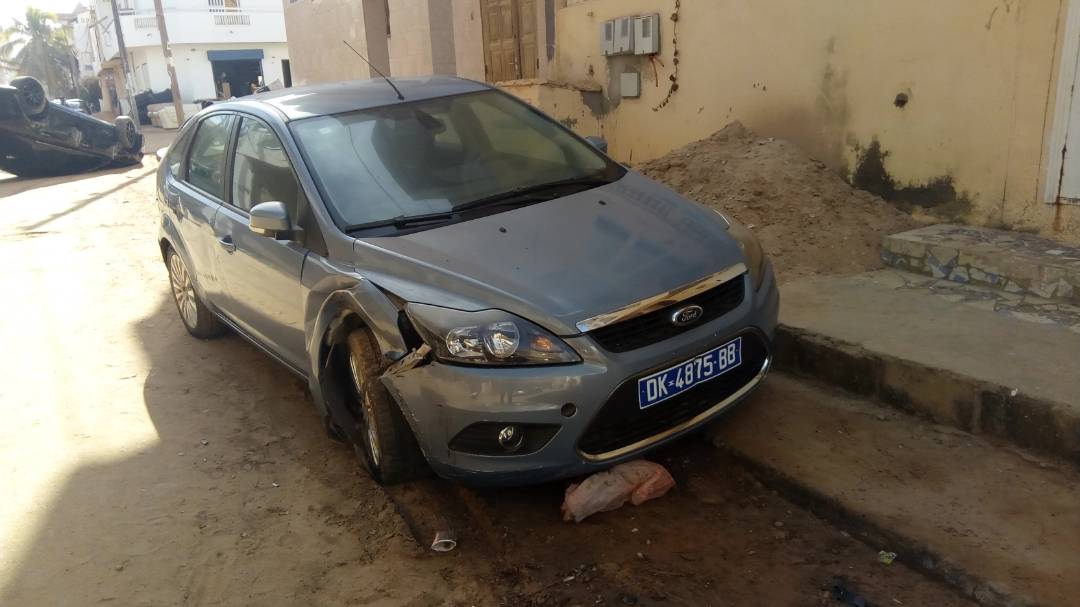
{"points": [[10, 9]]}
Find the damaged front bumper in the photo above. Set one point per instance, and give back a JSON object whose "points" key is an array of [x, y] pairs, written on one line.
{"points": [[461, 414]]}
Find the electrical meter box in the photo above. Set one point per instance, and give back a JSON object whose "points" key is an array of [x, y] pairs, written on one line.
{"points": [[624, 35], [629, 84], [647, 34], [607, 38]]}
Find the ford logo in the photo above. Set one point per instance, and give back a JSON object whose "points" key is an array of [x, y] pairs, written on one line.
{"points": [[687, 316]]}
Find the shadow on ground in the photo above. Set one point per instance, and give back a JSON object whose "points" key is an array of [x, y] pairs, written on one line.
{"points": [[11, 185], [241, 500]]}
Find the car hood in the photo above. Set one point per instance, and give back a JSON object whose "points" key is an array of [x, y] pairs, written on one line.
{"points": [[561, 261]]}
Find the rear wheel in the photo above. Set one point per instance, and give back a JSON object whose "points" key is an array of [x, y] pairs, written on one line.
{"points": [[32, 98], [385, 443], [197, 318]]}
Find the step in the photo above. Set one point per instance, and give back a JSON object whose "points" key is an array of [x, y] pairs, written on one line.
{"points": [[981, 360], [999, 525], [1011, 261]]}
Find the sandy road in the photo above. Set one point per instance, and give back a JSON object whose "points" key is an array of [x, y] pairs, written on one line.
{"points": [[111, 495], [143, 467]]}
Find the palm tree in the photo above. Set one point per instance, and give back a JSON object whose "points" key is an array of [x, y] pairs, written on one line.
{"points": [[39, 47]]}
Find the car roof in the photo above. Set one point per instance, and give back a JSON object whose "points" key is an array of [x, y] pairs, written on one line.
{"points": [[323, 99]]}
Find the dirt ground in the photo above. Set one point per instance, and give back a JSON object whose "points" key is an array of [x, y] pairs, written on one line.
{"points": [[143, 467], [809, 220]]}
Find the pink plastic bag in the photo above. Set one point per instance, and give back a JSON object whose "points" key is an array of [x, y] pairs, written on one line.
{"points": [[638, 481]]}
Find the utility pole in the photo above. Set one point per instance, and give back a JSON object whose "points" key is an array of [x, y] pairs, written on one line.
{"points": [[129, 78], [163, 33]]}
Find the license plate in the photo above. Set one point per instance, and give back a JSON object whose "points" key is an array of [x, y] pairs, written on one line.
{"points": [[675, 380]]}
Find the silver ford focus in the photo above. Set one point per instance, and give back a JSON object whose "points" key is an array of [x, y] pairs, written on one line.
{"points": [[466, 286]]}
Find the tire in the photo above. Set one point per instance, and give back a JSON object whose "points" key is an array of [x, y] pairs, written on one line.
{"points": [[197, 318], [127, 134], [32, 97], [386, 445]]}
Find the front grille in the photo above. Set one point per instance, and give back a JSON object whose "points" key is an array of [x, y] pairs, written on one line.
{"points": [[621, 422], [654, 327]]}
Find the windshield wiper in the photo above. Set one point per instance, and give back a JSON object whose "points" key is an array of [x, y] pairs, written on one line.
{"points": [[404, 221], [521, 195], [530, 192]]}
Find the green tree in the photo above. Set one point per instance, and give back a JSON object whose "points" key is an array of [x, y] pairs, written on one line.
{"points": [[39, 47]]}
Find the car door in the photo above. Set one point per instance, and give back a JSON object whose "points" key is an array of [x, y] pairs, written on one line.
{"points": [[261, 274], [195, 191]]}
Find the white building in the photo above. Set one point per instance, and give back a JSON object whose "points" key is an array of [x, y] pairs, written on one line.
{"points": [[213, 42]]}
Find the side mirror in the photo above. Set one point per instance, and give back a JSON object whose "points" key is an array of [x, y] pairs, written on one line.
{"points": [[161, 153], [597, 142], [269, 219]]}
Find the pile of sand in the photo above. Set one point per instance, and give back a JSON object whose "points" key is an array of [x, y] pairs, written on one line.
{"points": [[809, 220]]}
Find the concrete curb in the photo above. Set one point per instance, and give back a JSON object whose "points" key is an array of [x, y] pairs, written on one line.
{"points": [[972, 405], [916, 554]]}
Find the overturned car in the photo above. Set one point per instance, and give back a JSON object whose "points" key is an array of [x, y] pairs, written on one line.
{"points": [[39, 138]]}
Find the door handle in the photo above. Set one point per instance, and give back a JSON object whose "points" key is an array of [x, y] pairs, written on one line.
{"points": [[227, 243]]}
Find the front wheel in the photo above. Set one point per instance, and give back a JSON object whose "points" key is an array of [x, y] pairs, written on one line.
{"points": [[386, 444], [127, 134], [197, 318]]}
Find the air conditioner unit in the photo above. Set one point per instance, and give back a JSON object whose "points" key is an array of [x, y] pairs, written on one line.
{"points": [[624, 35], [647, 34], [607, 38]]}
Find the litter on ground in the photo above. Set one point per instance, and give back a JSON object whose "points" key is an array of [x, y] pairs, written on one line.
{"points": [[637, 482]]}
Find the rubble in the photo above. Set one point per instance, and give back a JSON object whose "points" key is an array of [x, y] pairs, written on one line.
{"points": [[809, 220]]}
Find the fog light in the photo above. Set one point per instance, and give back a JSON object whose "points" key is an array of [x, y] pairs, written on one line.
{"points": [[511, 438]]}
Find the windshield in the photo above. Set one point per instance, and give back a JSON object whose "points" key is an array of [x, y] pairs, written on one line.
{"points": [[439, 155]]}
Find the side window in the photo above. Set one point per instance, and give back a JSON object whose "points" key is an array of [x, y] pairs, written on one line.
{"points": [[206, 163], [175, 158], [262, 172]]}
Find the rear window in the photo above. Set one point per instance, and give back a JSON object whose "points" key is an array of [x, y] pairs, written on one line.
{"points": [[207, 161]]}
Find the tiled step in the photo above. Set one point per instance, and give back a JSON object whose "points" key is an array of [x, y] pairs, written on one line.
{"points": [[999, 525], [981, 360], [1011, 261]]}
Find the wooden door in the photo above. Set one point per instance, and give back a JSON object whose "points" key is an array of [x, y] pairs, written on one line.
{"points": [[527, 51], [500, 40], [510, 51]]}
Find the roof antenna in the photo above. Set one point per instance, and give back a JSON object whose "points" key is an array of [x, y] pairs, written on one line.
{"points": [[376, 70]]}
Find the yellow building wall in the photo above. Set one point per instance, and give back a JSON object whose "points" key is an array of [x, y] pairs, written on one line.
{"points": [[825, 73], [315, 30]]}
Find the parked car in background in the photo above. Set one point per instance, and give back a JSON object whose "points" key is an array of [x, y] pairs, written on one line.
{"points": [[463, 283], [40, 138]]}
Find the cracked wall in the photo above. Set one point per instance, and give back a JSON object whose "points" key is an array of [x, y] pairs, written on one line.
{"points": [[955, 94]]}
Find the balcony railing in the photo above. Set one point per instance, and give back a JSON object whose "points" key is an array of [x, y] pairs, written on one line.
{"points": [[142, 22], [232, 19]]}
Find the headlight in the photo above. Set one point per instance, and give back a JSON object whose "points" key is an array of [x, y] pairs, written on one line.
{"points": [[751, 247], [488, 337]]}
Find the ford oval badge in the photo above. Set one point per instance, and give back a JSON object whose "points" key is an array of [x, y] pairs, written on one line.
{"points": [[687, 316]]}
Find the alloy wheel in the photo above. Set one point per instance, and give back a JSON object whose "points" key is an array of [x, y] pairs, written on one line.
{"points": [[183, 290], [367, 418]]}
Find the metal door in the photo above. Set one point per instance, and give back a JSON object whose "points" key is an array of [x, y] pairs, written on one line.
{"points": [[195, 203], [262, 294]]}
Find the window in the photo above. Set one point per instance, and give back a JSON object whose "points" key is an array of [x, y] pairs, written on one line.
{"points": [[435, 155], [262, 172], [175, 157], [206, 164]]}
